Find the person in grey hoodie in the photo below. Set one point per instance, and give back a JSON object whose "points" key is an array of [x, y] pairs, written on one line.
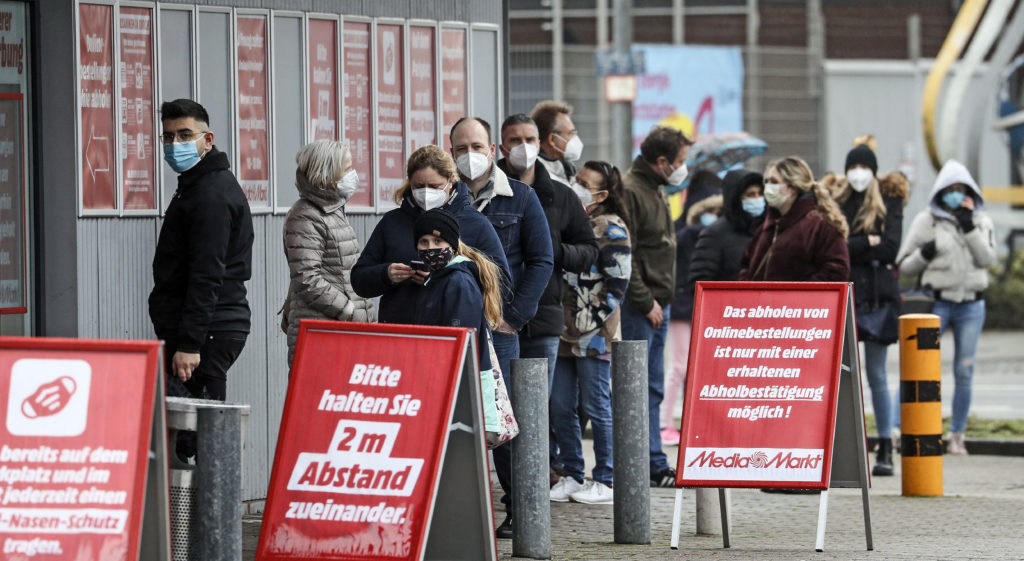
{"points": [[950, 245], [320, 245]]}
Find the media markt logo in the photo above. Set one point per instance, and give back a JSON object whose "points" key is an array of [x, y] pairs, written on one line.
{"points": [[48, 397], [743, 464]]}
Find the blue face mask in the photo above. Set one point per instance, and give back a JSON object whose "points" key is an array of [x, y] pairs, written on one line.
{"points": [[181, 156], [953, 199], [708, 218], [753, 207]]}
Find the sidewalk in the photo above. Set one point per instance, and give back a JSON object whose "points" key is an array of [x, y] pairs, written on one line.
{"points": [[979, 517]]}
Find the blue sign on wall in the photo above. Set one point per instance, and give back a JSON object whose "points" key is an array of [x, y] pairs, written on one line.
{"points": [[696, 89]]}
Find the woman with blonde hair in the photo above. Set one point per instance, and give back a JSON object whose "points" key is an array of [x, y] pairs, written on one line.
{"points": [[319, 243], [389, 266], [803, 237], [873, 207]]}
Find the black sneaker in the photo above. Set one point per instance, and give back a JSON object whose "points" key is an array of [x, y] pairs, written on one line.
{"points": [[504, 532], [666, 478]]}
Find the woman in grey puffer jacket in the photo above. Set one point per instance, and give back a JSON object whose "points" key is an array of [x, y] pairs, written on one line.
{"points": [[319, 243]]}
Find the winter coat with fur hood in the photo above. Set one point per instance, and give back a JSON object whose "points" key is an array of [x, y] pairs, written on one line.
{"points": [[321, 248], [958, 268]]}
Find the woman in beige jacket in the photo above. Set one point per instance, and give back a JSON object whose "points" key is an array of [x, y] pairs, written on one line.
{"points": [[319, 243]]}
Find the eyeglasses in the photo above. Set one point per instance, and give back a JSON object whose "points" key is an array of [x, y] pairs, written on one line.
{"points": [[183, 135]]}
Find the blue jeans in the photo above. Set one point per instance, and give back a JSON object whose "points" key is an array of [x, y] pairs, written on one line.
{"points": [[636, 327], [967, 319], [874, 367], [590, 379], [506, 346], [541, 347]]}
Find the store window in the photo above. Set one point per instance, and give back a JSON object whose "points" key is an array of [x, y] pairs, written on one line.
{"points": [[288, 114]]}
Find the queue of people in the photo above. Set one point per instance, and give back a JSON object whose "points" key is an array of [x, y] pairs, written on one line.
{"points": [[557, 262]]}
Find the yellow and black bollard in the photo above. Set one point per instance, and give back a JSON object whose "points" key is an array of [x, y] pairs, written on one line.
{"points": [[921, 405]]}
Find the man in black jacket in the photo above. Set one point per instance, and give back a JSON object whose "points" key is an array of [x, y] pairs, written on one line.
{"points": [[572, 242], [203, 258]]}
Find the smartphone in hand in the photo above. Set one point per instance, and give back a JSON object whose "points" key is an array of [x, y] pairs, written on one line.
{"points": [[419, 266]]}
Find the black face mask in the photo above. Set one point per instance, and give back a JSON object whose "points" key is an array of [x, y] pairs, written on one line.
{"points": [[436, 258]]}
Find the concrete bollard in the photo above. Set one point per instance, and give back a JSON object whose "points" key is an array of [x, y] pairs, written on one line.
{"points": [[920, 405], [631, 451], [219, 476], [709, 512], [531, 502]]}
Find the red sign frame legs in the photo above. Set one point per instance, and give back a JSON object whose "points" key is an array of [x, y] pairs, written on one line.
{"points": [[773, 393]]}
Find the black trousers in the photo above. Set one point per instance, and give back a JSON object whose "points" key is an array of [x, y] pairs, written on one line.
{"points": [[209, 380]]}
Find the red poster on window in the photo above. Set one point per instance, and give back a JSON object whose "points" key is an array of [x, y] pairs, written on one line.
{"points": [[138, 166], [96, 91], [358, 108], [422, 109], [453, 80], [323, 83], [762, 384], [253, 173], [390, 113], [77, 417], [362, 437], [12, 205]]}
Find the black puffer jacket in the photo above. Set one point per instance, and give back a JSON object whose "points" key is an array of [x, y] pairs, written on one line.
{"points": [[203, 257], [572, 241], [720, 245], [873, 267]]}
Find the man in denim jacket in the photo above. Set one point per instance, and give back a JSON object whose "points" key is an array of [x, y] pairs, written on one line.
{"points": [[518, 218]]}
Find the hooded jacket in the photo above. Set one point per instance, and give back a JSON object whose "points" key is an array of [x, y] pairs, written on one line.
{"points": [[720, 246], [958, 268], [573, 246], [653, 238], [321, 248], [800, 245], [392, 242], [203, 257], [872, 267], [452, 297]]}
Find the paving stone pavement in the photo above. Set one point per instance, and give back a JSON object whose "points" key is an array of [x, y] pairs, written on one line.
{"points": [[979, 516]]}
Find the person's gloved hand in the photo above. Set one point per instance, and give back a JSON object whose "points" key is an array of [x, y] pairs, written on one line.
{"points": [[928, 250], [965, 217]]}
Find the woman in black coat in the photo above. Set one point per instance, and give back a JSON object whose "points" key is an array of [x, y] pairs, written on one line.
{"points": [[720, 246], [873, 208]]}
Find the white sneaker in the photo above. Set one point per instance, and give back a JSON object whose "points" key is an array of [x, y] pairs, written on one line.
{"points": [[565, 487], [956, 444], [593, 493]]}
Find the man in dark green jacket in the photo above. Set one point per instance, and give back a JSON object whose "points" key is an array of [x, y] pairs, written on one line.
{"points": [[662, 161]]}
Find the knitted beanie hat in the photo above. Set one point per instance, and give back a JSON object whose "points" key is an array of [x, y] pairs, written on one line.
{"points": [[864, 156], [440, 223]]}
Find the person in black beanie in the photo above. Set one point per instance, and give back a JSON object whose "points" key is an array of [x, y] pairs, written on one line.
{"points": [[463, 286], [873, 207]]}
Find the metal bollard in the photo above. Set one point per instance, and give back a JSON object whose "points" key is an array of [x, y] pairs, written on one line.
{"points": [[920, 405], [531, 522], [219, 476], [631, 451]]}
